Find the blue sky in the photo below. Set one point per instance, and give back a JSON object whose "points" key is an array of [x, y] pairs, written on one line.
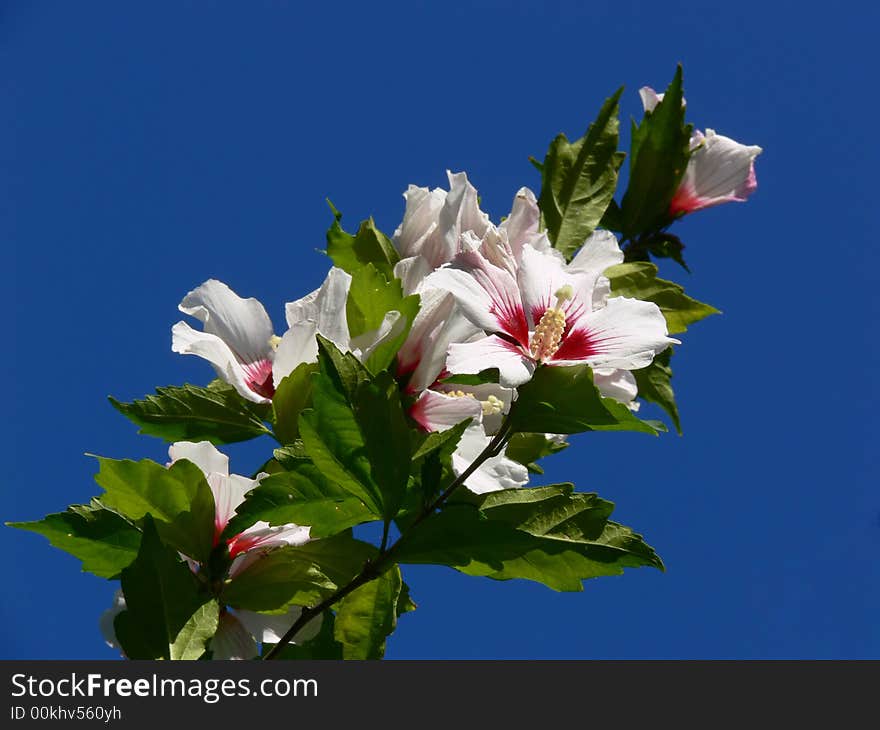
{"points": [[145, 147]]}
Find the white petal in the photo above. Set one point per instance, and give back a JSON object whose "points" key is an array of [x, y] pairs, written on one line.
{"points": [[460, 213], [187, 341], [720, 170], [650, 98], [298, 345], [203, 454], [435, 411], [522, 223], [497, 472], [261, 536], [617, 384], [540, 277], [108, 617], [270, 628], [232, 640], [488, 296], [491, 352], [419, 219], [412, 272], [241, 323], [229, 492], [626, 333], [439, 323], [325, 307], [599, 251]]}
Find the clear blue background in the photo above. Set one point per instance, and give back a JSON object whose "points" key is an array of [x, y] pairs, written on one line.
{"points": [[145, 147]]}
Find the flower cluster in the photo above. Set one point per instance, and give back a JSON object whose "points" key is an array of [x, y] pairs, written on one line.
{"points": [[416, 388]]}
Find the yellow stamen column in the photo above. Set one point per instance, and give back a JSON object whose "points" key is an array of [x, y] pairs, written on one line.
{"points": [[548, 334]]}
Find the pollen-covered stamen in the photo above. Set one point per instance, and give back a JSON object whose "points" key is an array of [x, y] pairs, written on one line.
{"points": [[492, 405], [274, 341], [459, 394], [548, 334]]}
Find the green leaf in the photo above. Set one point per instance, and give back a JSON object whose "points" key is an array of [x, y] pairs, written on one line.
{"points": [[368, 615], [196, 632], [340, 557], [370, 297], [382, 422], [165, 616], [279, 579], [343, 368], [490, 375], [368, 246], [658, 158], [665, 245], [545, 535], [292, 396], [302, 496], [654, 383], [289, 457], [190, 413], [639, 280], [527, 448], [578, 180], [441, 441], [564, 400], [105, 542], [300, 575], [357, 433], [333, 440], [178, 498]]}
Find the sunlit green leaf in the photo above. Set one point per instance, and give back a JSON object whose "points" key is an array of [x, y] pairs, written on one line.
{"points": [[105, 542], [368, 615], [178, 498], [578, 180], [191, 413], [565, 400], [639, 280]]}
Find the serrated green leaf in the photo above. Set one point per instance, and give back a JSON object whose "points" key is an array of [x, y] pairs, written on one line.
{"points": [[639, 280], [560, 551], [368, 246], [527, 448], [655, 386], [178, 498], [105, 542], [357, 433], [290, 457], [301, 496], [382, 422], [579, 179], [658, 157], [196, 632], [162, 596], [333, 440], [368, 615], [345, 370], [291, 397], [565, 400], [191, 413]]}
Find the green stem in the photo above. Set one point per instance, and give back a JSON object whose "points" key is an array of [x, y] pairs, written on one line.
{"points": [[375, 567]]}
